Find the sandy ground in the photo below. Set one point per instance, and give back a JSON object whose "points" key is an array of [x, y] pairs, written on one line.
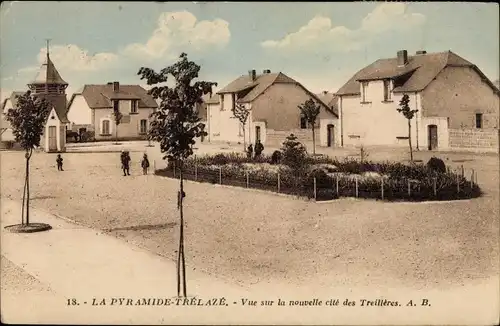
{"points": [[253, 237]]}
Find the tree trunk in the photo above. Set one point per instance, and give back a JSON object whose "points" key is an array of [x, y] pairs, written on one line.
{"points": [[116, 135], [28, 188], [24, 199], [409, 140], [244, 139], [181, 262], [314, 140]]}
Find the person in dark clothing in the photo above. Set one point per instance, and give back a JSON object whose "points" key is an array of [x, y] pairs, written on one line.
{"points": [[259, 148], [59, 161], [125, 158], [145, 164], [249, 151]]}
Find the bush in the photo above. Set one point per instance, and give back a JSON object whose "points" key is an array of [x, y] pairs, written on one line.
{"points": [[87, 136], [276, 157], [294, 153], [220, 159], [436, 164]]}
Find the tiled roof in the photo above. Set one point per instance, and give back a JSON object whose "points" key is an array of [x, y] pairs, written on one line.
{"points": [[329, 99], [211, 100], [48, 74], [421, 69], [261, 83], [100, 96]]}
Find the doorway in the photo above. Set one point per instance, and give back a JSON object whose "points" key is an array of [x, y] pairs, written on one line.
{"points": [[52, 139], [330, 134], [433, 137], [257, 134]]}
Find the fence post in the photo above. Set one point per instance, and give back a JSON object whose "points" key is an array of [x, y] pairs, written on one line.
{"points": [[247, 177], [220, 175], [475, 179], [315, 188], [279, 182], [435, 188], [337, 181], [356, 186], [154, 165], [174, 169], [472, 176], [458, 184], [382, 187], [462, 170], [409, 188], [195, 170]]}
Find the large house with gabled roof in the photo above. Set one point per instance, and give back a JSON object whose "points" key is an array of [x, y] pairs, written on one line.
{"points": [[91, 110], [272, 100], [458, 106]]}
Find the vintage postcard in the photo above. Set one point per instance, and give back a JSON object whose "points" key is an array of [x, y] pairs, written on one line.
{"points": [[235, 163]]}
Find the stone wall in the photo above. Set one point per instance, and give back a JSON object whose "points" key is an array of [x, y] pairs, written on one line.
{"points": [[474, 139], [276, 138]]}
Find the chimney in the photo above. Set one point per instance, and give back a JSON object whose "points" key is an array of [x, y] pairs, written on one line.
{"points": [[252, 74], [116, 87], [267, 71], [402, 58], [421, 52], [325, 92]]}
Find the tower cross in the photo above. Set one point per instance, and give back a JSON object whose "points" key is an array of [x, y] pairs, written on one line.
{"points": [[48, 41]]}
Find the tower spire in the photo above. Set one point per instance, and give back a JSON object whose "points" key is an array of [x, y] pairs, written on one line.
{"points": [[48, 41]]}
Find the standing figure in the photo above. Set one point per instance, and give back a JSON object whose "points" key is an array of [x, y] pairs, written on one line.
{"points": [[259, 148], [145, 164], [249, 151], [59, 161], [125, 158]]}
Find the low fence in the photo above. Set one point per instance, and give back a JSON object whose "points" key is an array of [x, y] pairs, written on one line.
{"points": [[340, 185]]}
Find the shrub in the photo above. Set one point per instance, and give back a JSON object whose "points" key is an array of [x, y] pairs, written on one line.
{"points": [[220, 159], [276, 157], [436, 164], [294, 153]]}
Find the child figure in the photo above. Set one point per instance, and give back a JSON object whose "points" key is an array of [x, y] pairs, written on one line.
{"points": [[145, 164], [125, 158], [59, 161]]}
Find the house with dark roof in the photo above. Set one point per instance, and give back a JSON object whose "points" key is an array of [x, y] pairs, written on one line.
{"points": [[49, 85], [272, 100], [91, 110], [458, 106]]}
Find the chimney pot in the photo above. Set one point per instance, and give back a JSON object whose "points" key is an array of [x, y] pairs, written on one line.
{"points": [[266, 71], [421, 52], [402, 58], [252, 74], [116, 86]]}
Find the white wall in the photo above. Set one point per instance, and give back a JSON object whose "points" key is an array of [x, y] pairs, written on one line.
{"points": [[223, 125], [442, 131], [79, 112], [55, 123], [377, 122], [323, 132]]}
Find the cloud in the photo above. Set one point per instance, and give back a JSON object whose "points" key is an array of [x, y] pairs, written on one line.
{"points": [[320, 31], [178, 30], [175, 32]]}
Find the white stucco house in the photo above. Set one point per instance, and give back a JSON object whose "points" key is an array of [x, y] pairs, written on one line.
{"points": [[272, 100], [91, 109], [457, 104]]}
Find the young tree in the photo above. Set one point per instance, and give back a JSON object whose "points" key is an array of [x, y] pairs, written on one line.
{"points": [[117, 115], [28, 122], [310, 110], [241, 113], [404, 108], [176, 125]]}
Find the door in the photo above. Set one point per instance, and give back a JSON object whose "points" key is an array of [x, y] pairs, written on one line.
{"points": [[257, 134], [433, 136], [52, 139], [330, 134]]}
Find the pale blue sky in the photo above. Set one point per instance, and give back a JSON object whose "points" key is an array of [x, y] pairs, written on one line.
{"points": [[320, 44]]}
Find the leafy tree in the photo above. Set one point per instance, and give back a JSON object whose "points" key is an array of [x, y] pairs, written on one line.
{"points": [[117, 115], [28, 121], [241, 113], [404, 108], [310, 110], [294, 153], [176, 125]]}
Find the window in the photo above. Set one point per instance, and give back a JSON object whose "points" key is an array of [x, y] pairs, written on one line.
{"points": [[115, 105], [364, 89], [133, 108], [479, 120], [105, 127], [143, 127], [303, 122], [222, 102], [387, 90]]}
